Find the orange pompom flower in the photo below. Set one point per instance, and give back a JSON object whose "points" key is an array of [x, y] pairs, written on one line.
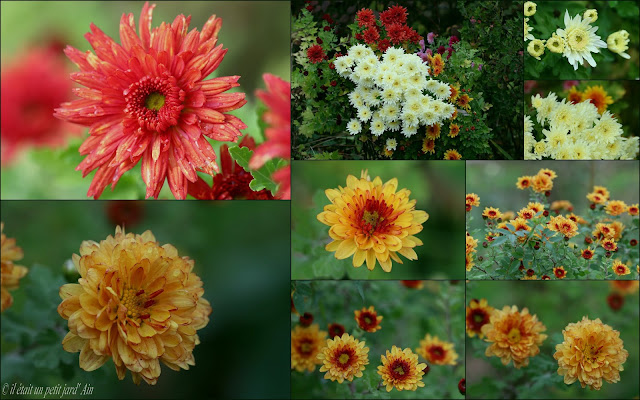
{"points": [[615, 207], [10, 274], [368, 319]]}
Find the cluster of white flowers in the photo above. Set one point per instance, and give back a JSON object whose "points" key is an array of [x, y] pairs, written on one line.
{"points": [[394, 93], [575, 132], [577, 41]]}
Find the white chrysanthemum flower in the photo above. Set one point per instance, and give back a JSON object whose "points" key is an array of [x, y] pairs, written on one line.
{"points": [[555, 137], [443, 91], [356, 95], [418, 81], [580, 40], [354, 127], [618, 42], [607, 129], [555, 44], [390, 112], [342, 66], [391, 144], [393, 126], [412, 93], [529, 8], [358, 52], [364, 70], [590, 16], [364, 114], [377, 126], [432, 85], [527, 30], [528, 125], [390, 95], [630, 148], [409, 130], [392, 54], [535, 48]]}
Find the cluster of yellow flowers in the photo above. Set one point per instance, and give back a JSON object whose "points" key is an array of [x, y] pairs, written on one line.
{"points": [[590, 352], [575, 131], [577, 41], [344, 357]]}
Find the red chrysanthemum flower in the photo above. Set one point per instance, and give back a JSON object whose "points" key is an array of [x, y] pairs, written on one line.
{"points": [[396, 33], [336, 329], [315, 54], [383, 45], [147, 99], [394, 15], [231, 183], [365, 17], [126, 213], [278, 144], [33, 85], [411, 35], [371, 35]]}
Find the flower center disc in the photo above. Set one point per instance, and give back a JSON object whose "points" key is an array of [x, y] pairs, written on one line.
{"points": [[399, 370], [578, 39], [514, 335], [154, 101], [344, 358], [477, 317], [371, 218], [305, 347]]}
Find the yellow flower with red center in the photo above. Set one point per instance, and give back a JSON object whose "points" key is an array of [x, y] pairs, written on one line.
{"points": [[604, 231], [306, 344], [387, 153], [400, 369], [471, 244], [576, 218], [620, 269], [436, 63], [137, 303], [548, 172], [514, 335], [587, 253], [526, 213], [344, 358], [520, 224], [454, 129], [602, 191], [433, 131], [455, 91], [563, 225], [609, 245], [574, 96], [477, 315], [10, 274], [428, 146], [633, 209], [368, 319], [561, 205], [590, 353], [541, 183], [472, 199], [491, 213], [615, 207], [617, 228], [627, 287], [559, 272], [523, 182], [452, 154], [508, 215], [537, 207], [468, 262], [598, 97], [596, 198], [437, 351], [372, 221], [463, 101]]}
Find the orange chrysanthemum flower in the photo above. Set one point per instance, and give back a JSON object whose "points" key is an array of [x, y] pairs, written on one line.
{"points": [[561, 205], [609, 245], [625, 287], [436, 63], [526, 213], [587, 253], [147, 99], [549, 172], [520, 224], [604, 231], [428, 146], [514, 335], [10, 274], [368, 319], [454, 129], [137, 303], [472, 199], [400, 369], [620, 269], [590, 353], [307, 342], [563, 225], [471, 244], [508, 215], [455, 92], [372, 221], [598, 97], [344, 358], [574, 96], [615, 207], [437, 351], [633, 209], [559, 272], [541, 183], [433, 131], [617, 228], [596, 198], [477, 316], [468, 262], [523, 182], [278, 133], [452, 154], [463, 101], [537, 207], [576, 218], [491, 213], [602, 191]]}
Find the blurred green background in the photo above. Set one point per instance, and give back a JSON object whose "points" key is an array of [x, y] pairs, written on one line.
{"points": [[408, 315], [243, 264], [255, 32], [625, 96], [556, 304], [436, 185], [612, 17], [495, 183]]}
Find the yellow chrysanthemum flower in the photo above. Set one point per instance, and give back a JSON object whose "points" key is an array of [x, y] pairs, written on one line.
{"points": [[137, 303], [563, 225], [615, 207], [368, 319], [523, 182], [599, 97], [536, 48], [633, 209], [472, 199], [529, 8], [514, 335], [618, 42], [590, 353], [344, 358], [437, 351], [590, 15], [306, 344], [372, 221], [452, 154], [620, 269], [400, 369], [542, 182], [555, 44], [477, 316], [559, 272], [10, 274], [491, 213]]}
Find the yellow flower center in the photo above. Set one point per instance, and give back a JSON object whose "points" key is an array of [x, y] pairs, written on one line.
{"points": [[578, 39], [344, 358], [371, 218], [591, 352], [399, 370], [514, 335], [367, 320], [133, 301], [305, 347], [154, 101]]}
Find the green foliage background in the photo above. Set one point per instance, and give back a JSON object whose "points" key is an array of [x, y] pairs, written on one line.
{"points": [[247, 26], [436, 185], [612, 17], [244, 271], [408, 315], [556, 304]]}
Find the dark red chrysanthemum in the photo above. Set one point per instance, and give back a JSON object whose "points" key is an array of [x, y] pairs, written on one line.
{"points": [[616, 301], [365, 17], [394, 15], [371, 35], [33, 85], [315, 54], [411, 35], [306, 319], [336, 329], [383, 45], [277, 98], [146, 99], [453, 40], [396, 33], [231, 183], [125, 213]]}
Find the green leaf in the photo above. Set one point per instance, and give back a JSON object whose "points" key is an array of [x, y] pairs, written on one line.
{"points": [[261, 177]]}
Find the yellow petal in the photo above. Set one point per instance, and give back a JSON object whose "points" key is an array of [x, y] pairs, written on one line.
{"points": [[333, 246], [420, 217], [346, 249], [408, 253], [359, 258], [146, 331], [371, 259], [69, 290], [90, 361], [73, 343]]}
